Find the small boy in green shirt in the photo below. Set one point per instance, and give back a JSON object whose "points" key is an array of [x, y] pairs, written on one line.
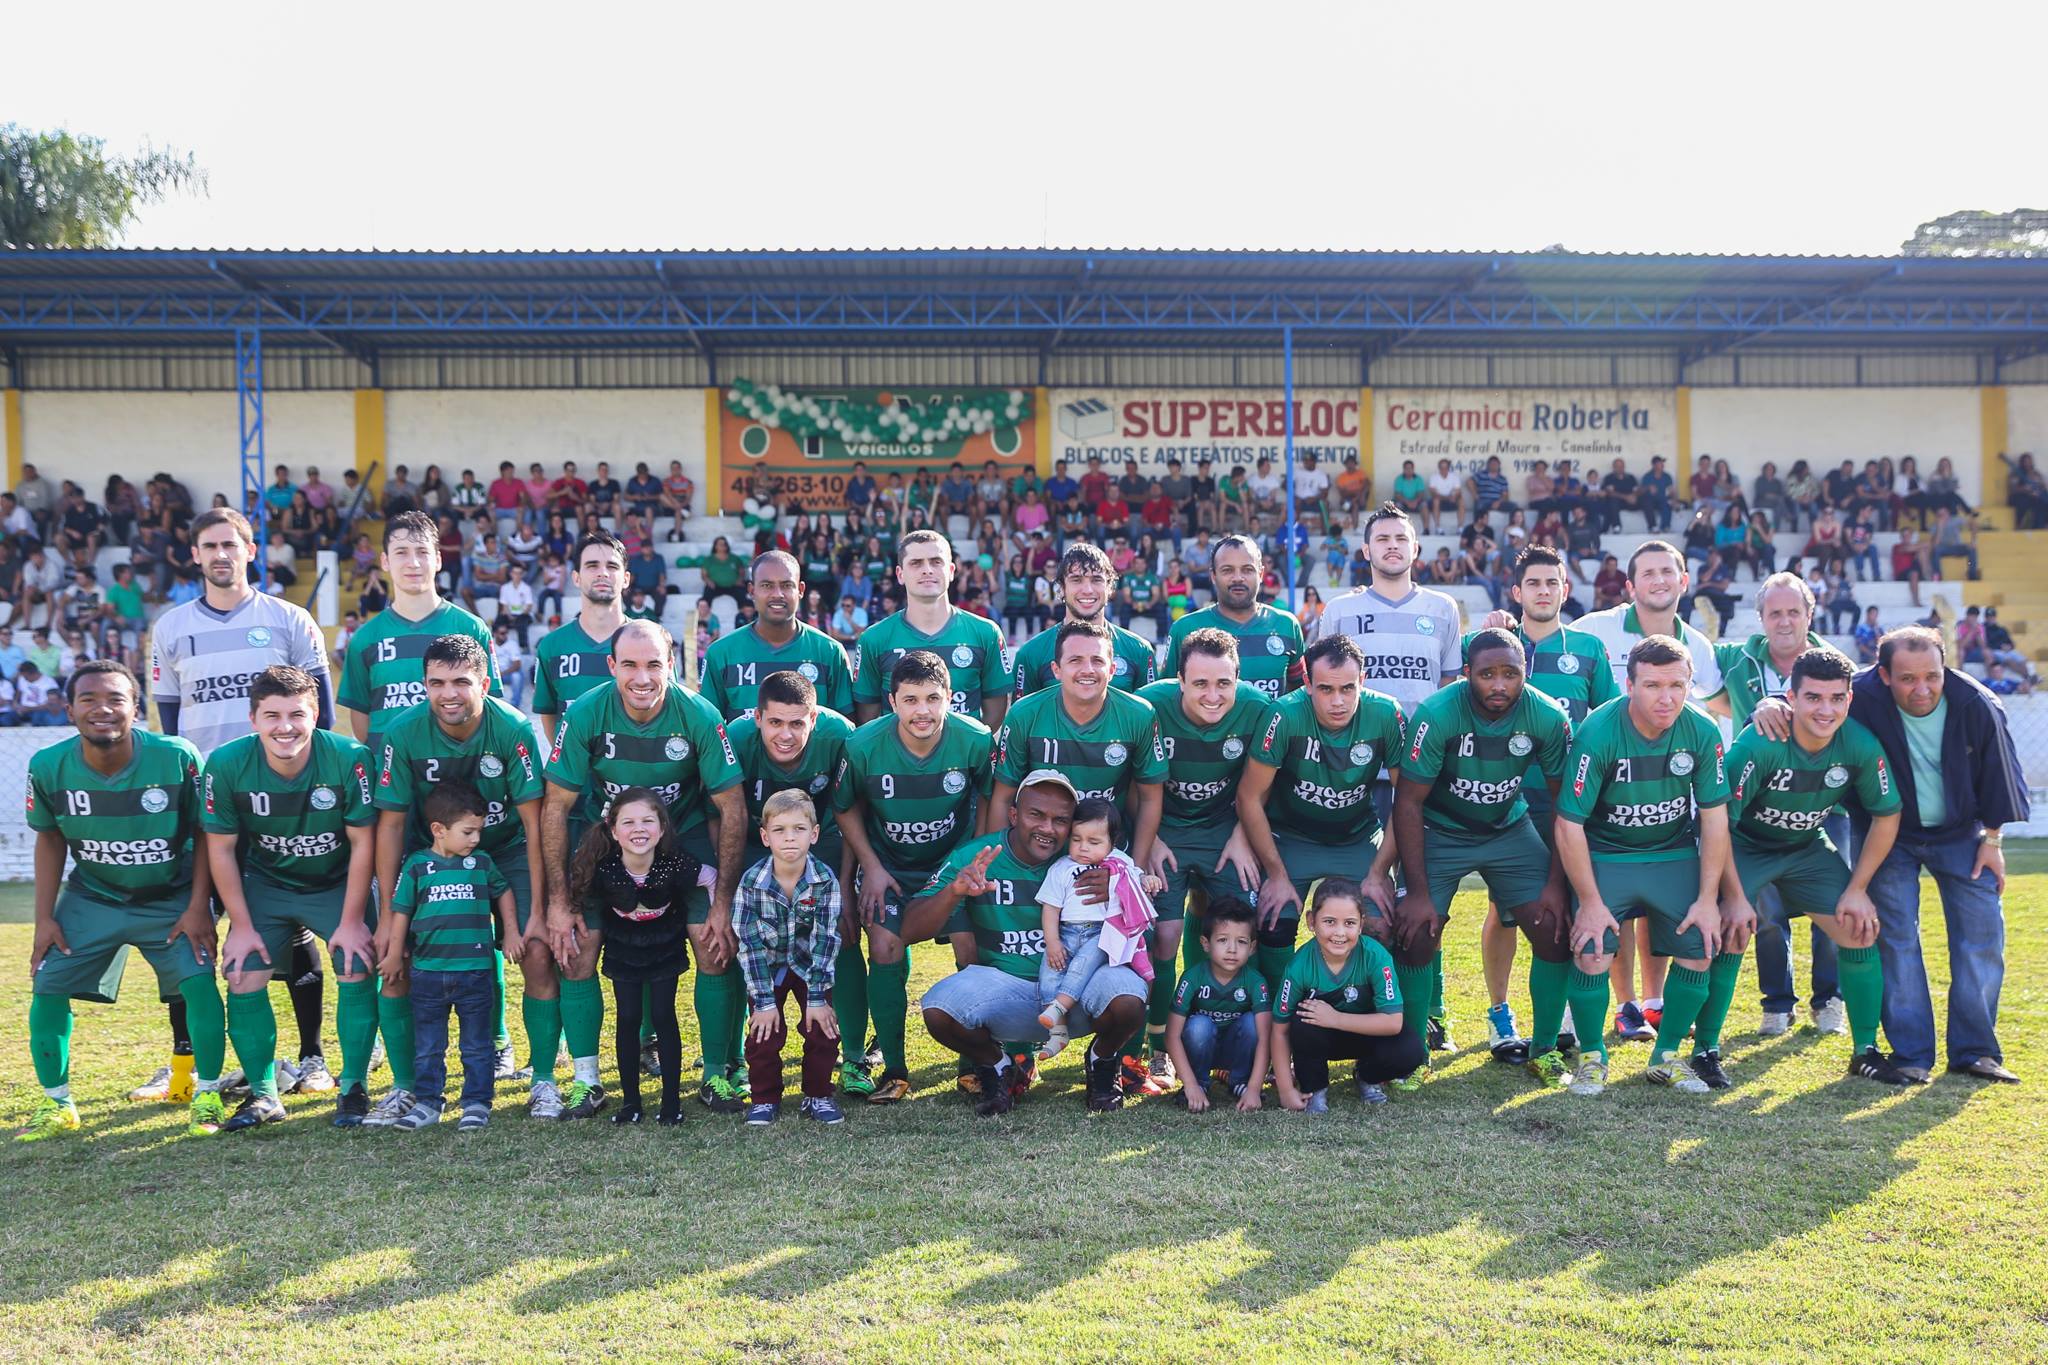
{"points": [[441, 920], [1222, 1014]]}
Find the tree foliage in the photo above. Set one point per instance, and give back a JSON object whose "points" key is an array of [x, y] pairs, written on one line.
{"points": [[60, 189], [1979, 232]]}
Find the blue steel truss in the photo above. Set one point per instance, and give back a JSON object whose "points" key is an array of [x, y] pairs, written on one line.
{"points": [[249, 409]]}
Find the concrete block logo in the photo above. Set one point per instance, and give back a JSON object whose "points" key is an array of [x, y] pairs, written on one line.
{"points": [[1087, 419]]}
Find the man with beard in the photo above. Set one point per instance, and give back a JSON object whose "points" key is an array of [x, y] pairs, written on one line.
{"points": [[905, 799], [291, 844], [1305, 802], [642, 730], [1087, 581], [203, 656], [458, 734], [1269, 641], [992, 884], [1460, 810], [123, 805], [970, 645], [732, 669], [1657, 582]]}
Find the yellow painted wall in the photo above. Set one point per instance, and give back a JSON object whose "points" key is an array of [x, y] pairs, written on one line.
{"points": [[1992, 406]]}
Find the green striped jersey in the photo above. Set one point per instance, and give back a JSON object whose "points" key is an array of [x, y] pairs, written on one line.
{"points": [[761, 778], [452, 904], [131, 836], [915, 810], [1008, 925], [386, 672], [1322, 789], [1132, 664], [971, 645], [1783, 794], [566, 664], [1475, 767], [1204, 764], [292, 831], [1102, 758], [1637, 796], [497, 760], [1366, 985], [731, 671], [1268, 646], [1199, 992], [683, 754]]}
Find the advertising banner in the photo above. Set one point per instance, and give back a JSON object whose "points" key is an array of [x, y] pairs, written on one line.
{"points": [[1227, 426], [1590, 427], [810, 452]]}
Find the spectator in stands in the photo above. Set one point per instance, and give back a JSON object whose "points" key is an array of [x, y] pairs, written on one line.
{"points": [[1970, 636], [2000, 649], [1716, 583], [516, 602], [1619, 492], [1354, 487], [297, 524], [484, 571], [1954, 538], [1867, 634], [278, 495], [1873, 492], [2004, 684], [44, 654], [991, 495], [10, 711], [643, 493], [1859, 537], [37, 699], [1760, 548], [524, 545], [1443, 571], [1489, 488], [1610, 585], [279, 558], [1113, 516], [1767, 495], [84, 528], [468, 499], [122, 507], [1062, 489], [509, 653], [721, 570], [42, 578], [1840, 602], [187, 586], [1910, 560], [955, 496], [1705, 488], [1731, 538], [558, 539], [1179, 490], [1031, 516], [36, 495], [534, 492], [1582, 536], [1728, 488], [1312, 490], [400, 493], [507, 498], [2026, 491], [1699, 536], [15, 521], [1824, 541], [1234, 501], [1448, 496], [1177, 589], [1159, 516], [1838, 486], [12, 655], [433, 494], [1411, 494], [549, 588], [604, 495], [1655, 496], [1802, 495], [568, 493], [1268, 490]]}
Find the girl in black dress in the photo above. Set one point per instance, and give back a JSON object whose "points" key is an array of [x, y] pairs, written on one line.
{"points": [[630, 872]]}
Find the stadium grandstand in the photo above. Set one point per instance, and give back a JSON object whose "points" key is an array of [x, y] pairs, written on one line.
{"points": [[1866, 423]]}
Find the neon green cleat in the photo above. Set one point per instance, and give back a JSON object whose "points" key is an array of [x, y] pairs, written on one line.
{"points": [[855, 1080], [209, 1113], [1550, 1068], [1410, 1083], [52, 1118]]}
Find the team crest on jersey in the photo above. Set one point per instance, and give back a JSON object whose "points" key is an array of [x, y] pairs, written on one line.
{"points": [[809, 670], [1238, 995], [818, 783], [1837, 776], [469, 864], [1567, 663], [259, 636], [677, 748], [1350, 995], [1426, 624], [954, 781], [322, 798], [490, 765], [963, 657], [1681, 763], [1115, 753], [1122, 667], [1361, 754], [1275, 645], [155, 800], [1520, 745], [1233, 747]]}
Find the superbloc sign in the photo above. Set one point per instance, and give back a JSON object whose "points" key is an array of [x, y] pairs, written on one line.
{"points": [[1227, 426], [1590, 427]]}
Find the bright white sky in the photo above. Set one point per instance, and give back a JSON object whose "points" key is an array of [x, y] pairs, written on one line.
{"points": [[1780, 128]]}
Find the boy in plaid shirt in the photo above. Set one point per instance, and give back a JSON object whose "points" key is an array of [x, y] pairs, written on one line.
{"points": [[786, 914]]}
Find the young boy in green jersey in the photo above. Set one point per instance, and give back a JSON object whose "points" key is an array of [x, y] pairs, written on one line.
{"points": [[1339, 998], [1222, 1013], [441, 919]]}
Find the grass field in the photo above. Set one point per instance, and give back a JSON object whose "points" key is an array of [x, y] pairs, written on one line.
{"points": [[1798, 1216]]}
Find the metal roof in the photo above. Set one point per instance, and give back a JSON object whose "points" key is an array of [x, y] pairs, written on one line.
{"points": [[364, 302]]}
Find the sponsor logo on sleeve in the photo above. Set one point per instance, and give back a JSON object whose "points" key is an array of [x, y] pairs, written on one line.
{"points": [[1884, 779], [1579, 778], [1421, 733]]}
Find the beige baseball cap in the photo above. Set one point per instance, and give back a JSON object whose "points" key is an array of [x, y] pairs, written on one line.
{"points": [[1049, 777]]}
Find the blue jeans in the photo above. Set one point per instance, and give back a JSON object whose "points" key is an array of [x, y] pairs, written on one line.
{"points": [[1976, 952], [472, 996], [1083, 942], [1210, 1044], [1774, 944]]}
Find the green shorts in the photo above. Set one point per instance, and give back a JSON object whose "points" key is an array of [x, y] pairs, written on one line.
{"points": [[909, 884], [1513, 862], [1542, 811], [1810, 880], [1196, 849], [1308, 863], [100, 936], [697, 843], [279, 912], [1662, 891]]}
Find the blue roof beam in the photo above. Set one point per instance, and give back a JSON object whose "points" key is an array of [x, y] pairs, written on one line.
{"points": [[1892, 271], [267, 299]]}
